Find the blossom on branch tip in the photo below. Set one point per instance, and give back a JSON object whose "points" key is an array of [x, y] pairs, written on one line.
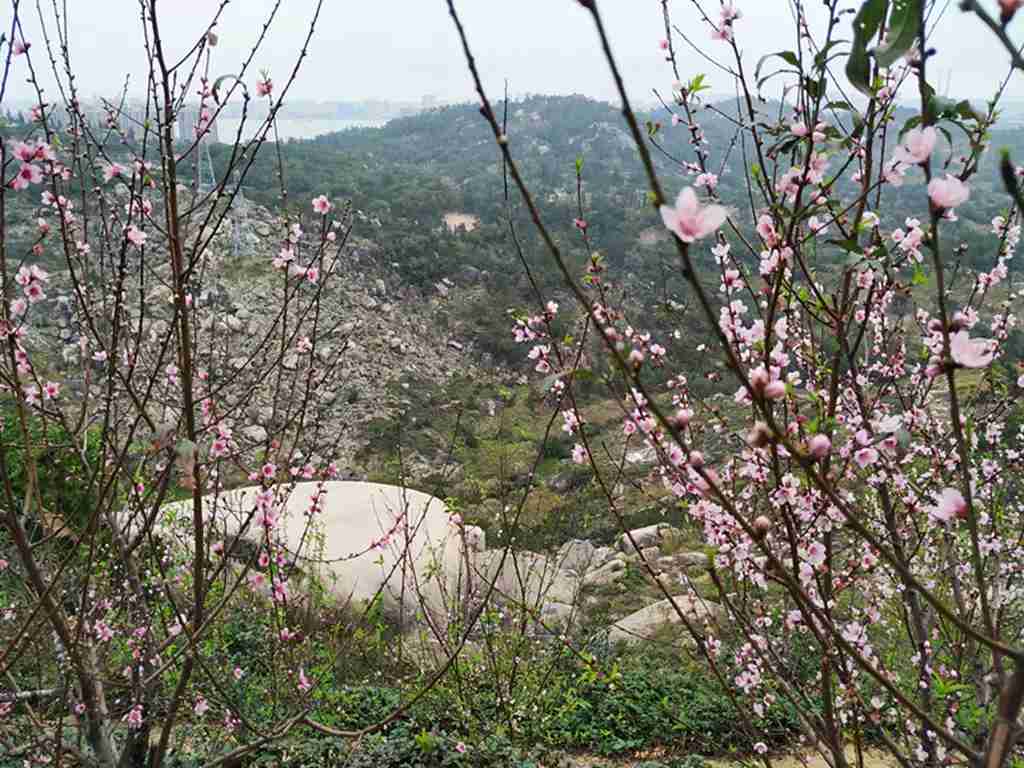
{"points": [[917, 146], [1007, 9], [135, 236], [948, 192], [322, 205], [951, 504], [970, 353], [689, 219]]}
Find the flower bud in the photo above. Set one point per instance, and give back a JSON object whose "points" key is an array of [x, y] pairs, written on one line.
{"points": [[760, 436], [761, 526]]}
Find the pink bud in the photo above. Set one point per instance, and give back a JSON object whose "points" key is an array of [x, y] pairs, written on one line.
{"points": [[759, 436]]}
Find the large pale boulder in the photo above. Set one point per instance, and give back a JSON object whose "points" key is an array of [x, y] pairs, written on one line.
{"points": [[363, 539]]}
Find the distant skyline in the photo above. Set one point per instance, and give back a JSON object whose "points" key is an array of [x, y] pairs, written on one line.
{"points": [[402, 50]]}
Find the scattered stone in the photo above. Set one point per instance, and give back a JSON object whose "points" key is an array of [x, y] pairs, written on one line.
{"points": [[642, 456], [255, 433], [570, 480], [648, 536], [525, 577], [650, 554], [607, 574], [442, 289], [692, 559], [576, 555], [290, 361], [557, 615], [645, 623], [601, 556], [453, 344]]}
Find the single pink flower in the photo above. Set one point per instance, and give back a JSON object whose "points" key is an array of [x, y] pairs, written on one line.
{"points": [[113, 171], [865, 457], [948, 192], [663, 44], [722, 32], [917, 146], [21, 47], [29, 174], [321, 205], [135, 236], [264, 87], [24, 152], [970, 353], [690, 220], [951, 504], [819, 446]]}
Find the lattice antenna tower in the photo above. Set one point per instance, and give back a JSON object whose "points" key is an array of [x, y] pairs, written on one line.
{"points": [[237, 214], [206, 177]]}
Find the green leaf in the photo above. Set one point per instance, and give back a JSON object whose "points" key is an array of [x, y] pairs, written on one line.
{"points": [[904, 24], [865, 27], [910, 125], [579, 163], [1009, 174], [697, 84], [919, 276], [787, 56], [950, 109]]}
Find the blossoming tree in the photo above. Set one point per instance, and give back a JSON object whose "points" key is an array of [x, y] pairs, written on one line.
{"points": [[865, 504], [130, 378]]}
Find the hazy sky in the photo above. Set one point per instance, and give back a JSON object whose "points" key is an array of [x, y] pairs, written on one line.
{"points": [[403, 49]]}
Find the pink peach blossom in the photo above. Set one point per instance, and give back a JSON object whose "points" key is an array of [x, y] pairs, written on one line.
{"points": [[321, 205], [948, 192], [970, 353], [689, 219], [951, 504], [917, 146]]}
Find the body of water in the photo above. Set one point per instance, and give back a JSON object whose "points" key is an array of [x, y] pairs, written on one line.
{"points": [[291, 127]]}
